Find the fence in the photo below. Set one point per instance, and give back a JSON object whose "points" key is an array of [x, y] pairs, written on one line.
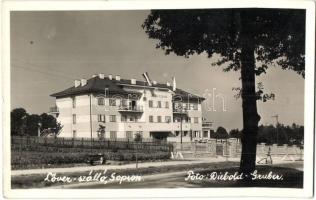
{"points": [[34, 152], [87, 143], [232, 148]]}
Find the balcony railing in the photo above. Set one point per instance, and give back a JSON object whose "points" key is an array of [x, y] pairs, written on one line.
{"points": [[180, 111], [207, 124], [54, 109], [130, 109]]}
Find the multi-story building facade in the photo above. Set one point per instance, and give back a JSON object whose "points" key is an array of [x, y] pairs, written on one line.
{"points": [[126, 107]]}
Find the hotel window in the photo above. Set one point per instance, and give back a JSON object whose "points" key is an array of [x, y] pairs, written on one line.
{"points": [[113, 135], [205, 134], [177, 106], [151, 118], [74, 119], [176, 119], [123, 102], [73, 102], [129, 134], [193, 106], [159, 104], [196, 120], [177, 133], [168, 119], [167, 104], [123, 118], [74, 133], [112, 102], [150, 103], [112, 118], [101, 118], [158, 119], [185, 106], [101, 101]]}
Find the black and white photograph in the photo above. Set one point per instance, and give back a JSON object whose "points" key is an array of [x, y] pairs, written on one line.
{"points": [[168, 97]]}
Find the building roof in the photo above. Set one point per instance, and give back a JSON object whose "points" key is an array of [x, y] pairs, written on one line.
{"points": [[116, 87]]}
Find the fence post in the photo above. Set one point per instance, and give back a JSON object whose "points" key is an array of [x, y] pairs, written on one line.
{"points": [[233, 147]]}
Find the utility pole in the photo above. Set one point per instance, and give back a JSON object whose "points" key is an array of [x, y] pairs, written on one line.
{"points": [[277, 123], [181, 130]]}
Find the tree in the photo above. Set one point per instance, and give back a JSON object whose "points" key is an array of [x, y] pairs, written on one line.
{"points": [[49, 122], [32, 124], [235, 133], [221, 133], [248, 40], [101, 132], [138, 137], [23, 123], [18, 120]]}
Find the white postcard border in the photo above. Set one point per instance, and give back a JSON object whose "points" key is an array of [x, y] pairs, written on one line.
{"points": [[307, 191]]}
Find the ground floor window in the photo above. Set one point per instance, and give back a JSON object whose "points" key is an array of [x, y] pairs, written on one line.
{"points": [[113, 135], [185, 133], [177, 133], [197, 134], [205, 133], [129, 134], [138, 136]]}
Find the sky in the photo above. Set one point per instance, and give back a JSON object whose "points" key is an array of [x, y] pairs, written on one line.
{"points": [[49, 50]]}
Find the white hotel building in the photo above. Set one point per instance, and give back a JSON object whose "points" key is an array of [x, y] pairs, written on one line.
{"points": [[125, 107]]}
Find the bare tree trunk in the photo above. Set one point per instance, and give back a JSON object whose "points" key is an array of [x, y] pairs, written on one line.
{"points": [[249, 100]]}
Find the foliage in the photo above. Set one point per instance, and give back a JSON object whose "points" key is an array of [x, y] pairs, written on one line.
{"points": [[278, 35], [50, 122], [23, 123], [32, 124], [220, 133], [235, 133], [101, 131], [138, 137], [18, 121], [281, 134]]}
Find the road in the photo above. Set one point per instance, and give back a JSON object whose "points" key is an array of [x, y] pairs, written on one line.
{"points": [[164, 180]]}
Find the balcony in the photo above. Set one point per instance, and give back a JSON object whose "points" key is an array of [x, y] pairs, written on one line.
{"points": [[133, 109], [54, 110], [181, 111], [207, 125]]}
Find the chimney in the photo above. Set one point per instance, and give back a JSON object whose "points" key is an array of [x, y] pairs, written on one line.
{"points": [[101, 76], [77, 83], [110, 76], [168, 84], [174, 85], [83, 82], [118, 77], [154, 82], [133, 81]]}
